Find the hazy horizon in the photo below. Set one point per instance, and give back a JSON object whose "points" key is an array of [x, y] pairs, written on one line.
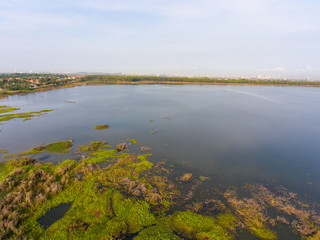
{"points": [[243, 38]]}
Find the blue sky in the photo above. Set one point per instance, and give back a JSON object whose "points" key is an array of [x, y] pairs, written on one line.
{"points": [[203, 37]]}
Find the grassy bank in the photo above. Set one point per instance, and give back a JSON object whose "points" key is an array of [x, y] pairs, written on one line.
{"points": [[113, 79], [110, 79]]}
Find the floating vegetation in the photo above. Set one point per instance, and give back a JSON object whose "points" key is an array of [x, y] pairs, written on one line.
{"points": [[28, 115], [59, 147], [111, 194], [134, 141], [93, 146], [5, 109], [195, 226], [123, 145], [100, 127], [69, 101], [145, 149], [55, 147], [157, 233], [2, 150], [186, 177], [203, 178]]}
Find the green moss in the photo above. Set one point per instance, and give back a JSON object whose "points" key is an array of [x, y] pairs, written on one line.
{"points": [[18, 162], [101, 127], [195, 226], [59, 147], [216, 233], [135, 213], [93, 146], [55, 147], [100, 156], [264, 233], [3, 170], [66, 164], [156, 233], [94, 214], [227, 221], [32, 151]]}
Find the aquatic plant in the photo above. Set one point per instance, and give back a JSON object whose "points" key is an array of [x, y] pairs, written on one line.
{"points": [[93, 146], [2, 150], [100, 156], [195, 226], [32, 151], [186, 177], [157, 233], [59, 147], [55, 147], [101, 127], [7, 117], [203, 178], [252, 215], [130, 195], [134, 141], [5, 109]]}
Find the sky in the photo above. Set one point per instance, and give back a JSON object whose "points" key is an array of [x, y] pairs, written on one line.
{"points": [[176, 37]]}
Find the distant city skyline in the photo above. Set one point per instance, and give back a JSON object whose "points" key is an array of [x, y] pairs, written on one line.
{"points": [[232, 38]]}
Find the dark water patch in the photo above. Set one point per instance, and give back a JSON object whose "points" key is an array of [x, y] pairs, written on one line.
{"points": [[285, 232], [44, 158], [246, 236], [54, 214]]}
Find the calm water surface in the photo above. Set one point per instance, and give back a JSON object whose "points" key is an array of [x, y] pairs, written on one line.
{"points": [[235, 134]]}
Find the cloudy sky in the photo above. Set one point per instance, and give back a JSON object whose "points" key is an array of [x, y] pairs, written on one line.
{"points": [[202, 37]]}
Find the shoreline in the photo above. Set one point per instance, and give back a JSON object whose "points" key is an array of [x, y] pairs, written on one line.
{"points": [[6, 93]]}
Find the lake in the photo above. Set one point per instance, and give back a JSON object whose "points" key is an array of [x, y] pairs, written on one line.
{"points": [[232, 134], [235, 134]]}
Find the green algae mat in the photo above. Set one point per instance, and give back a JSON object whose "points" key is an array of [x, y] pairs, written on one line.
{"points": [[6, 115], [115, 194]]}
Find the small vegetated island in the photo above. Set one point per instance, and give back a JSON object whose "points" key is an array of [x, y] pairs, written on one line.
{"points": [[110, 193], [21, 83], [7, 115]]}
